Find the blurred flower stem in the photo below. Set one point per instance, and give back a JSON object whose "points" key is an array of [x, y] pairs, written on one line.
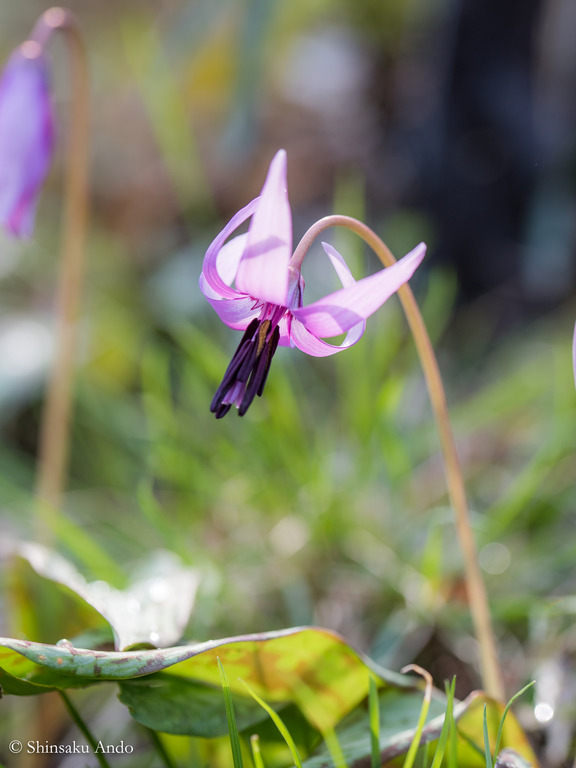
{"points": [[84, 730], [55, 426], [477, 597]]}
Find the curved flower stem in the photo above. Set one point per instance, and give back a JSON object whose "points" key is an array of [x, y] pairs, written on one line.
{"points": [[477, 597], [55, 426]]}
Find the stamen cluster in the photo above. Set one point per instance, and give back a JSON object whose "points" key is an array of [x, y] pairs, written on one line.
{"points": [[248, 370]]}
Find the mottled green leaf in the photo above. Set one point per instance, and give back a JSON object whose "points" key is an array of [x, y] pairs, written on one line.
{"points": [[173, 690], [313, 668]]}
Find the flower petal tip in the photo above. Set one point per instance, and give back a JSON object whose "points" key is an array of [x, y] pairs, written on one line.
{"points": [[421, 248], [263, 268], [280, 158]]}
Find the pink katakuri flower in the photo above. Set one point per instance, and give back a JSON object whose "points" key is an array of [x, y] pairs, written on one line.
{"points": [[26, 137], [266, 302]]}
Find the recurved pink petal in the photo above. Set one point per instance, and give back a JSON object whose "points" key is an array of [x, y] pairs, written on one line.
{"points": [[342, 310], [342, 269], [235, 313], [229, 257], [263, 269], [210, 274], [312, 345]]}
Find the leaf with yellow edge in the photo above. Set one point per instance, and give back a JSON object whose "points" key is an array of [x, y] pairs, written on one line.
{"points": [[313, 668]]}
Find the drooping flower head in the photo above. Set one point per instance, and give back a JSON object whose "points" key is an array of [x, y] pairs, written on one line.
{"points": [[266, 300], [26, 136]]}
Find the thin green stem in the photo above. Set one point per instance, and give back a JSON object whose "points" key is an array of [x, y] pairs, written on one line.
{"points": [[503, 720], [160, 749], [75, 715], [55, 426], [374, 713], [233, 732], [256, 754], [487, 753], [477, 597], [278, 722], [415, 744], [440, 751]]}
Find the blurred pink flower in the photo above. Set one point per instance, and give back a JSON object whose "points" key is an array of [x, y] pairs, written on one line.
{"points": [[26, 137], [266, 302]]}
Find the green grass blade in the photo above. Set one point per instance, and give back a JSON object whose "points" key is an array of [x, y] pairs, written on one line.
{"points": [[333, 745], [231, 718], [411, 754], [453, 741], [446, 727], [512, 700], [487, 752], [423, 757], [278, 722], [374, 713], [256, 754]]}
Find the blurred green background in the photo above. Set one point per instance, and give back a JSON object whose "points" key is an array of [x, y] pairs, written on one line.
{"points": [[444, 121]]}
